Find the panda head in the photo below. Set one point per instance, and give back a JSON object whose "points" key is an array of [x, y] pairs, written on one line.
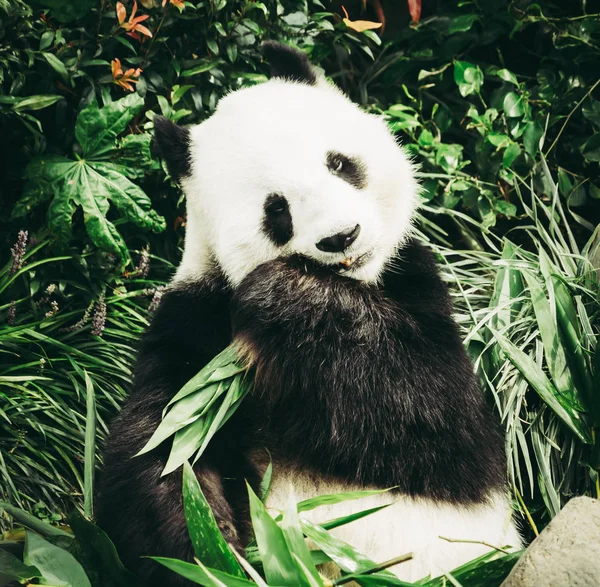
{"points": [[289, 167]]}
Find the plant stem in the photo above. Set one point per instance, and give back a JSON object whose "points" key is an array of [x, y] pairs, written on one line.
{"points": [[380, 567], [587, 94], [488, 544]]}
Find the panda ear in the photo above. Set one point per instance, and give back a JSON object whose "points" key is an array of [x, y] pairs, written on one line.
{"points": [[288, 63], [173, 143]]}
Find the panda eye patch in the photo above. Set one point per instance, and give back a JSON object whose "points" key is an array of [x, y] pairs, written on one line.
{"points": [[277, 219], [350, 169]]}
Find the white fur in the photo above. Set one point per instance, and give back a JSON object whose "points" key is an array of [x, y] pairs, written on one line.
{"points": [[275, 137], [409, 525]]}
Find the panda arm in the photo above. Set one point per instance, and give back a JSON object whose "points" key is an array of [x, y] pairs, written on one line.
{"points": [[142, 511]]}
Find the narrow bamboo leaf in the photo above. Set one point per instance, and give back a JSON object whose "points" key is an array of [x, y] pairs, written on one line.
{"points": [[568, 322], [250, 570], [333, 498], [235, 394], [336, 522], [90, 448], [344, 555], [265, 484], [553, 349], [209, 545], [543, 386], [313, 581], [198, 575], [185, 444], [278, 564], [294, 538], [508, 286], [57, 566], [183, 413]]}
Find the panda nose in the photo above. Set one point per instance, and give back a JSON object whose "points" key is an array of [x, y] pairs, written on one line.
{"points": [[340, 241]]}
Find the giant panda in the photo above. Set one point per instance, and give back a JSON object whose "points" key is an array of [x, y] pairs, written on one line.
{"points": [[299, 248]]}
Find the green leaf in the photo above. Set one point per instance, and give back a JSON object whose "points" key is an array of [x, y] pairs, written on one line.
{"points": [[97, 129], [57, 566], [12, 569], [294, 538], [68, 10], [279, 566], [90, 447], [513, 105], [200, 576], [98, 552], [543, 386], [591, 148], [36, 102], [209, 545], [345, 556], [57, 65], [468, 77], [511, 153], [203, 65], [507, 76], [532, 136], [462, 23], [232, 52]]}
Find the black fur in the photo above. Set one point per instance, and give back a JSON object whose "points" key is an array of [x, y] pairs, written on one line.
{"points": [[277, 221], [173, 143], [288, 63], [352, 170], [367, 384]]}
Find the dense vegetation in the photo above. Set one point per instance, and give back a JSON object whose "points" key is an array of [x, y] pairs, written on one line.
{"points": [[497, 101]]}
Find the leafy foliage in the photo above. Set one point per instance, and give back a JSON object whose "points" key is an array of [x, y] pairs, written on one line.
{"points": [[94, 181], [474, 89]]}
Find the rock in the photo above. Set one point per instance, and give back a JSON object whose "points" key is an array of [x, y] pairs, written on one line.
{"points": [[566, 553]]}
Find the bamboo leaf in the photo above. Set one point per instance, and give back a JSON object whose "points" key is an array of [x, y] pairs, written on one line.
{"points": [[560, 405], [209, 545]]}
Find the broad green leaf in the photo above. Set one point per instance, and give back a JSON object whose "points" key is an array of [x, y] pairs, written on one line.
{"points": [[97, 129], [92, 186], [36, 102], [560, 405], [57, 65], [98, 551], [532, 137], [209, 545], [462, 23], [507, 76], [511, 153], [57, 566], [513, 105], [198, 575], [186, 443], [468, 77], [12, 569], [279, 566], [67, 10]]}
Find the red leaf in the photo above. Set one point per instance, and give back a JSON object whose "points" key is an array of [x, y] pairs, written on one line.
{"points": [[415, 9]]}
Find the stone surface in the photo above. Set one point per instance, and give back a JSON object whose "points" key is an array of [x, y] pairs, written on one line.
{"points": [[566, 553]]}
